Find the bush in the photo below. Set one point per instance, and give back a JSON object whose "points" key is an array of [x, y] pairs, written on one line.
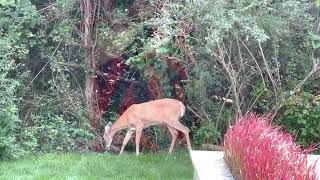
{"points": [[54, 133], [8, 119], [207, 133], [18, 20], [300, 115], [254, 149]]}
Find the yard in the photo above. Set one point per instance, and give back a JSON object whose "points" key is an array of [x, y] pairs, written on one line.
{"points": [[73, 73], [99, 166]]}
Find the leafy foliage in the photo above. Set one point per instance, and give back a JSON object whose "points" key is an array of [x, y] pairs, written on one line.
{"points": [[8, 117], [19, 18], [207, 133], [35, 84], [250, 51], [300, 116]]}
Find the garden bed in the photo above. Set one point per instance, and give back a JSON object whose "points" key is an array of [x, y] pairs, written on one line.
{"points": [[255, 148], [211, 165]]}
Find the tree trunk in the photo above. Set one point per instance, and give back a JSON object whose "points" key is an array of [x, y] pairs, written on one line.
{"points": [[90, 92]]}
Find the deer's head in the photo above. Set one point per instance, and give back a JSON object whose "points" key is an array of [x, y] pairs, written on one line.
{"points": [[107, 135]]}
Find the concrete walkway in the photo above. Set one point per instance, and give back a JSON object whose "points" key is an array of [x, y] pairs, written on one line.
{"points": [[210, 165]]}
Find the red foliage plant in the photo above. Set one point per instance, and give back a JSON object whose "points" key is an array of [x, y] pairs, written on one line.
{"points": [[256, 150]]}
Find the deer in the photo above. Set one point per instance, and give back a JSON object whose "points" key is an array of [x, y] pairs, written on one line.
{"points": [[138, 116]]}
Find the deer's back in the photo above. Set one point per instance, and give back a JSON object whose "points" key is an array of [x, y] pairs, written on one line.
{"points": [[154, 112]]}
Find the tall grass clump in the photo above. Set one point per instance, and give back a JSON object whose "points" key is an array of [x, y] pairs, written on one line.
{"points": [[255, 149]]}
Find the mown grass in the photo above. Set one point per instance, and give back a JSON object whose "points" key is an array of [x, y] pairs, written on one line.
{"points": [[99, 166]]}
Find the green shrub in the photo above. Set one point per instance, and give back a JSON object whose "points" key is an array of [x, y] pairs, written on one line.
{"points": [[18, 18], [54, 133], [301, 117], [207, 133], [8, 118]]}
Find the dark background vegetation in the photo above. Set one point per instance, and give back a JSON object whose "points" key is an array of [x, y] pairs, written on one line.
{"points": [[54, 55]]}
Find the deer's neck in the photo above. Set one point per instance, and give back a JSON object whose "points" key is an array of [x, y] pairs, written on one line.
{"points": [[119, 125]]}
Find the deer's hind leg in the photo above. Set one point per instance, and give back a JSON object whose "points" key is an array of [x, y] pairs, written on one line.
{"points": [[177, 125]]}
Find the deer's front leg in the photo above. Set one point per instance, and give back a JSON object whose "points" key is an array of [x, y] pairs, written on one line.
{"points": [[138, 136], [126, 139]]}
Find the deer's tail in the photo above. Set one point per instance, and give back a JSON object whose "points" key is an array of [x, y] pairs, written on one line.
{"points": [[182, 109]]}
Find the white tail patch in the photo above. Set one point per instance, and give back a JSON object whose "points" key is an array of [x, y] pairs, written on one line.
{"points": [[182, 109]]}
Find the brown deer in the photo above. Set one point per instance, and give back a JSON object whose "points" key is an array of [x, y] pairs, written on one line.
{"points": [[138, 116]]}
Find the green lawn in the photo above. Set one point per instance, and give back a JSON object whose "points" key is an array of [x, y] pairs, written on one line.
{"points": [[99, 166]]}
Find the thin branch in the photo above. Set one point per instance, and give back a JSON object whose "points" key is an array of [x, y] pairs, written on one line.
{"points": [[54, 52], [221, 109], [274, 85], [194, 112], [314, 69], [256, 62]]}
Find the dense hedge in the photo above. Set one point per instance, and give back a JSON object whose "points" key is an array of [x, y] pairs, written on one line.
{"points": [[261, 54]]}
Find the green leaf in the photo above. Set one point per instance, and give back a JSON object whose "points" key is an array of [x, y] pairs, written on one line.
{"points": [[302, 121], [303, 132], [7, 2], [162, 50]]}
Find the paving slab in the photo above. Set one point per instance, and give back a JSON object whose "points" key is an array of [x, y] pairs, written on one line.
{"points": [[209, 165]]}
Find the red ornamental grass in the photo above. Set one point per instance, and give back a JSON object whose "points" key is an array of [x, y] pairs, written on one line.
{"points": [[254, 150]]}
